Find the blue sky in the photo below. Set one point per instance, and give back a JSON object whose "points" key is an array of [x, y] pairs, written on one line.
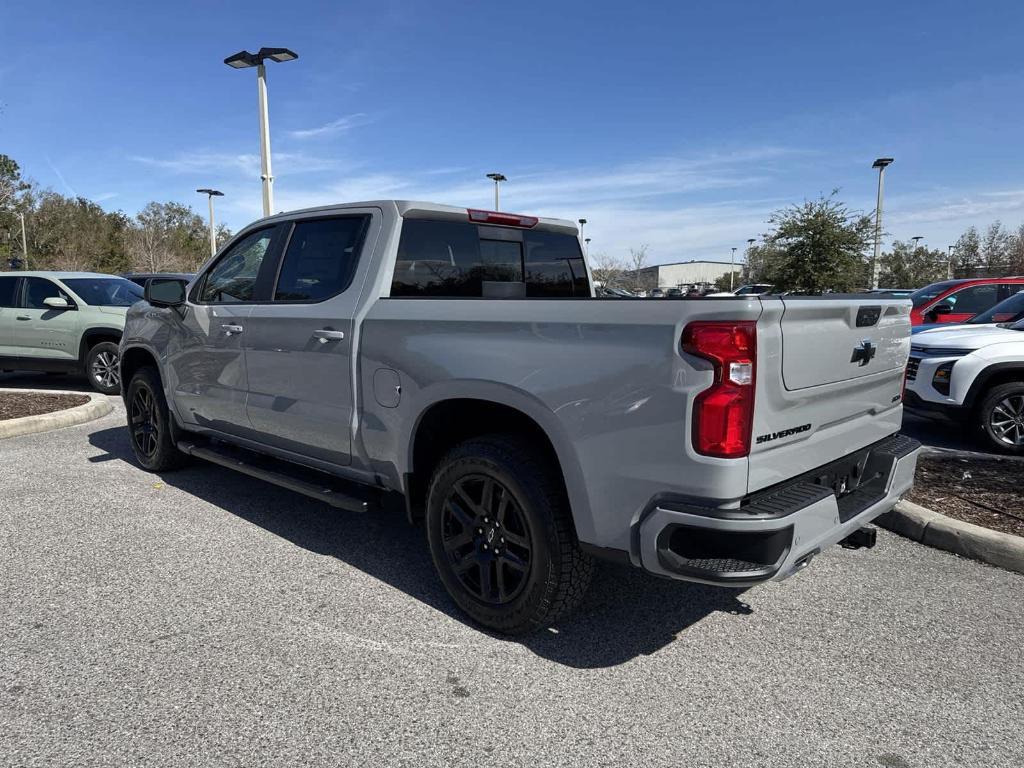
{"points": [[678, 125]]}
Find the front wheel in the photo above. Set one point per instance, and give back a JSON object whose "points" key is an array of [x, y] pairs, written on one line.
{"points": [[1001, 417], [102, 366], [501, 535], [149, 423]]}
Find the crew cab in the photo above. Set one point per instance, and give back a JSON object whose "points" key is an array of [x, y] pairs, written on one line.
{"points": [[457, 362], [65, 322]]}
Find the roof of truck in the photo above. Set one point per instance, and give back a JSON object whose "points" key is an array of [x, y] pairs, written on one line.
{"points": [[57, 274], [422, 209]]}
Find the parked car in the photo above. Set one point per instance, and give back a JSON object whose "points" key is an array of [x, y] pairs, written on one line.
{"points": [[656, 293], [972, 374], [750, 289], [142, 279], [456, 360], [65, 322], [955, 301], [674, 293], [1007, 311]]}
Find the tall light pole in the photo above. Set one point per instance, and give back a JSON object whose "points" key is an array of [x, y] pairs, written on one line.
{"points": [[242, 60], [949, 266], [581, 223], [24, 241], [587, 246], [732, 269], [880, 164], [497, 178], [746, 259], [210, 194]]}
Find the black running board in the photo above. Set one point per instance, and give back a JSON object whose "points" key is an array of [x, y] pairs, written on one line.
{"points": [[308, 482]]}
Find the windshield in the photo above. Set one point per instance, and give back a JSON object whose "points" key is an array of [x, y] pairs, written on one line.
{"points": [[922, 296], [105, 291], [1008, 311]]}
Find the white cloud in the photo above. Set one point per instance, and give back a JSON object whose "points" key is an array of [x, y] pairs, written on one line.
{"points": [[328, 129]]}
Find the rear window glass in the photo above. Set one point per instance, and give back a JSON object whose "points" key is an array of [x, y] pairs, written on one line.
{"points": [[464, 260]]}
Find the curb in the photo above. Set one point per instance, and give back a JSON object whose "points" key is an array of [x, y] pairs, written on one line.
{"points": [[97, 407], [965, 539]]}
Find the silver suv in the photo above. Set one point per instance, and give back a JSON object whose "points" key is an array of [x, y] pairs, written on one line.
{"points": [[65, 322]]}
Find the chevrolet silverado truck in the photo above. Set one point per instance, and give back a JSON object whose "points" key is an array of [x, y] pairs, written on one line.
{"points": [[455, 362]]}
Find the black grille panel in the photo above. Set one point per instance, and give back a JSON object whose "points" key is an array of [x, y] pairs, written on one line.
{"points": [[912, 366]]}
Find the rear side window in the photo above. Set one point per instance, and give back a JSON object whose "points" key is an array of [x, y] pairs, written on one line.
{"points": [[464, 260], [8, 296], [320, 259]]}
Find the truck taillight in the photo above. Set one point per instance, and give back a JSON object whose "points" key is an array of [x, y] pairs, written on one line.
{"points": [[723, 414]]}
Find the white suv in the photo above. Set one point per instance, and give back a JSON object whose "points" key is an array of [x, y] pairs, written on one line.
{"points": [[974, 374]]}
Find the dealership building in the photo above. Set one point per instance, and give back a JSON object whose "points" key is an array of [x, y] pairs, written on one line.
{"points": [[684, 273]]}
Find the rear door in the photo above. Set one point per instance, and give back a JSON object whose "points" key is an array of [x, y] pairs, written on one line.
{"points": [[298, 344], [829, 380]]}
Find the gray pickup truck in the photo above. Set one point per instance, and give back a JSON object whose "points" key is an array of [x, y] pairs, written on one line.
{"points": [[457, 363]]}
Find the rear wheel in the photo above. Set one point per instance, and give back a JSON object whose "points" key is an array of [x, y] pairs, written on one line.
{"points": [[149, 423], [501, 536], [102, 366], [1001, 418]]}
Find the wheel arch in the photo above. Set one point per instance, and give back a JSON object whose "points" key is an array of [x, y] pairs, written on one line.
{"points": [[460, 413], [93, 336], [993, 376]]}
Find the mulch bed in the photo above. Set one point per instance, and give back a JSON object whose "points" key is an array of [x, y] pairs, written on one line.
{"points": [[986, 492], [14, 405]]}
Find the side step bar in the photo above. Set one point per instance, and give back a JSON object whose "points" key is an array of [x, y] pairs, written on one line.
{"points": [[309, 482]]}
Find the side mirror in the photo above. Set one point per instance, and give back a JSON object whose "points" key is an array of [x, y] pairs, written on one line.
{"points": [[166, 292], [941, 309], [56, 302]]}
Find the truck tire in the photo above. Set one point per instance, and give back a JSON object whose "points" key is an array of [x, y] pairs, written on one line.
{"points": [[501, 535], [149, 423], [1001, 418], [102, 366]]}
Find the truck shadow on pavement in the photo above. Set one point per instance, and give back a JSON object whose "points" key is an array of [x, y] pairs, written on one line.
{"points": [[626, 614]]}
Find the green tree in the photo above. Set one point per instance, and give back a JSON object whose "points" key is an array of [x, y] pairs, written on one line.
{"points": [[908, 267], [12, 188], [168, 237], [818, 246], [967, 254], [68, 233]]}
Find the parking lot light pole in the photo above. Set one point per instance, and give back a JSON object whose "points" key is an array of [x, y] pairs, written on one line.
{"points": [[497, 178], [24, 241], [917, 241], [243, 60], [746, 260], [581, 222], [210, 194], [880, 164], [732, 269], [949, 265], [586, 247]]}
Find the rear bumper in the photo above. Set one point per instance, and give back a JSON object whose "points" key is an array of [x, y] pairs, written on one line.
{"points": [[776, 533]]}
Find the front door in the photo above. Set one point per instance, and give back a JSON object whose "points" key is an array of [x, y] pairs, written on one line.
{"points": [[968, 302], [39, 330], [298, 346], [10, 289], [207, 369]]}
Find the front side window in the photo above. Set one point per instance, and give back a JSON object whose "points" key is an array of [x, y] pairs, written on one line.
{"points": [[321, 258], [38, 290], [922, 296], [8, 291], [233, 277], [105, 291], [977, 298]]}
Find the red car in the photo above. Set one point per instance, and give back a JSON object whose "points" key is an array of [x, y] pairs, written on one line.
{"points": [[956, 301]]}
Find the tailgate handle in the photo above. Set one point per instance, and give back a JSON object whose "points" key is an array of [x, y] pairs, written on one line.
{"points": [[867, 316]]}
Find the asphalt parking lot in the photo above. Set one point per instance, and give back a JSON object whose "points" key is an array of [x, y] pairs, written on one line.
{"points": [[203, 618]]}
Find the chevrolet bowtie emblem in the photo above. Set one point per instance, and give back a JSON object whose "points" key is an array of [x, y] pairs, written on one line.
{"points": [[863, 353]]}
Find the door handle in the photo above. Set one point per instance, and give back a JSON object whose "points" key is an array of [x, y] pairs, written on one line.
{"points": [[324, 335], [24, 317], [231, 330]]}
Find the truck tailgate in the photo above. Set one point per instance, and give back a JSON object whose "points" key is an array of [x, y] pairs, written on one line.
{"points": [[829, 381]]}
